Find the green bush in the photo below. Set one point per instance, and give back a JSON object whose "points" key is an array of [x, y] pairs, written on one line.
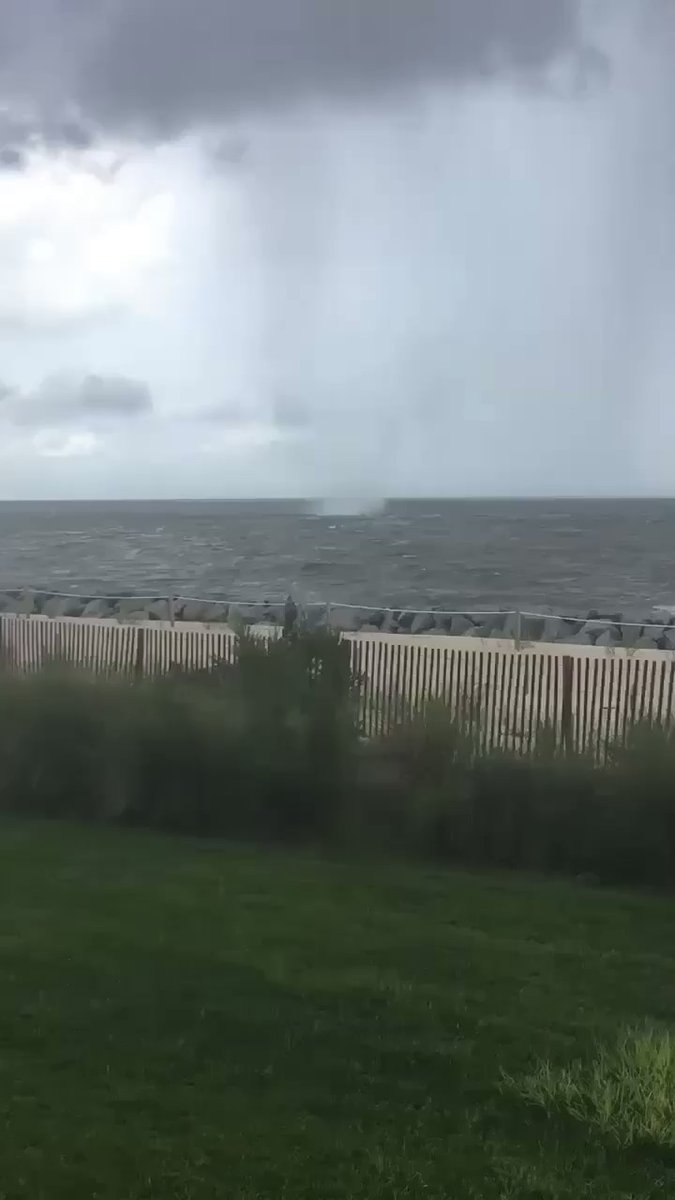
{"points": [[268, 747], [261, 748]]}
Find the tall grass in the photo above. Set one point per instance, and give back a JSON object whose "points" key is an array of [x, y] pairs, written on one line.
{"points": [[268, 747], [627, 1092]]}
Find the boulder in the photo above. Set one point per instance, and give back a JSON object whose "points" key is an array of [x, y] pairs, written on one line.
{"points": [[9, 602], [595, 628], [135, 618], [610, 637], [482, 631], [191, 610], [391, 621], [646, 643], [614, 618], [127, 605], [63, 606], [24, 603], [581, 639], [215, 614], [405, 621], [458, 626], [669, 639], [377, 617], [423, 623], [490, 622], [100, 609], [655, 632], [530, 629], [347, 620], [158, 610], [559, 629]]}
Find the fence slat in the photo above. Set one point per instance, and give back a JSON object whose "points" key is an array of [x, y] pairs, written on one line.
{"points": [[502, 696]]}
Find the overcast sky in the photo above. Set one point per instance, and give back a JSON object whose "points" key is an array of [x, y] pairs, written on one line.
{"points": [[336, 247]]}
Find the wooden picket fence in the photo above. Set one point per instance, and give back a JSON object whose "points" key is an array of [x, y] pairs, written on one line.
{"points": [[505, 695]]}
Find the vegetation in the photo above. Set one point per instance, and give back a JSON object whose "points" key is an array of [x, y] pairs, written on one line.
{"points": [[627, 1092], [269, 749], [186, 1021]]}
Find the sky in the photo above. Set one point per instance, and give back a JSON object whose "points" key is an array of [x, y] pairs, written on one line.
{"points": [[330, 248]]}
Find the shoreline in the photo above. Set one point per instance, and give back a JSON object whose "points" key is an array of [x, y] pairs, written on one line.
{"points": [[596, 629]]}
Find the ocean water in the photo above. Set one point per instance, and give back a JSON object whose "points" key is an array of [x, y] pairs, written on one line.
{"points": [[563, 555]]}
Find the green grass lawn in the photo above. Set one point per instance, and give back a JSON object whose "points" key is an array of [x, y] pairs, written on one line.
{"points": [[183, 1020]]}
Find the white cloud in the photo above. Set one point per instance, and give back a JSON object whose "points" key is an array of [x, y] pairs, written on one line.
{"points": [[75, 245], [51, 443]]}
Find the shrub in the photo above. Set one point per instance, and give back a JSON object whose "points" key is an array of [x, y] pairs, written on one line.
{"points": [[269, 747], [263, 747]]}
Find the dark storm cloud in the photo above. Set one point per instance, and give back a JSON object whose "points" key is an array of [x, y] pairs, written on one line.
{"points": [[161, 65], [169, 62], [20, 135], [67, 399]]}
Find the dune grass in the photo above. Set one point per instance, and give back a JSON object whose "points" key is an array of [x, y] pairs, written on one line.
{"points": [[180, 1019], [627, 1091]]}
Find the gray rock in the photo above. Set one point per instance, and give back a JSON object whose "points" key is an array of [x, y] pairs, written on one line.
{"points": [[10, 602], [135, 618], [216, 614], [423, 623], [610, 637], [581, 639], [390, 624], [630, 635], [191, 610], [127, 605], [101, 609], [492, 622], [596, 628], [646, 643], [558, 629], [669, 639], [158, 610], [458, 626], [608, 618], [377, 618], [250, 614], [369, 629], [656, 633], [63, 606], [347, 620], [25, 603], [405, 621], [529, 629], [482, 631]]}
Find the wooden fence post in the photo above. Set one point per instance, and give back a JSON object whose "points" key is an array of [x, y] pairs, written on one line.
{"points": [[139, 664], [566, 712]]}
